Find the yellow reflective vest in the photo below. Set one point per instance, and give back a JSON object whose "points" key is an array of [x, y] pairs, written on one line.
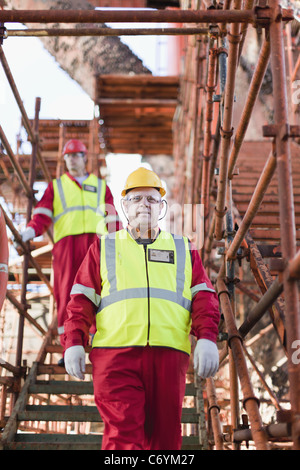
{"points": [[78, 210], [145, 292]]}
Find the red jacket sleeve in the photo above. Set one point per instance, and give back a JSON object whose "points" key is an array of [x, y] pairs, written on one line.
{"points": [[82, 308], [205, 303], [43, 211]]}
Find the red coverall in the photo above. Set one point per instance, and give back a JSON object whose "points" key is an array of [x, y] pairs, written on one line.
{"points": [[139, 390], [68, 252]]}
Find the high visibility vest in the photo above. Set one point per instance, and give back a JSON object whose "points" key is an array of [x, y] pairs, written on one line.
{"points": [[145, 293], [78, 210]]}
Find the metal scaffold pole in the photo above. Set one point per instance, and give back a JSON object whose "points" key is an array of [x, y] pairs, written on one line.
{"points": [[287, 210], [26, 261]]}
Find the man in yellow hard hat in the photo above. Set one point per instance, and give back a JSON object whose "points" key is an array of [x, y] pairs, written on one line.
{"points": [[149, 291]]}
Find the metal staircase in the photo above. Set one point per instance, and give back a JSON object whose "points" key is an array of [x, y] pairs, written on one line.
{"points": [[68, 405]]}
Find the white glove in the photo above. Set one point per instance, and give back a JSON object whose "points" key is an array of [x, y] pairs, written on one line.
{"points": [[28, 234], [206, 358], [75, 361]]}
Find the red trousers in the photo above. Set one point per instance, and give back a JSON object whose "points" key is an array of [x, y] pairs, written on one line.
{"points": [[139, 393]]}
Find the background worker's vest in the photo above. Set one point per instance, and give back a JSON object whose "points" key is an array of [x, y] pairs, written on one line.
{"points": [[145, 292], [78, 210]]}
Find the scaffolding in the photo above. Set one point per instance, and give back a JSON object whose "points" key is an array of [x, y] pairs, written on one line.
{"points": [[250, 224]]}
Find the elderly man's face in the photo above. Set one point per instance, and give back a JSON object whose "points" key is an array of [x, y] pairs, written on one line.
{"points": [[143, 207]]}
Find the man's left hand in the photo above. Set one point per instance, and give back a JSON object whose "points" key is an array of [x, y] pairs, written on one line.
{"points": [[206, 358]]}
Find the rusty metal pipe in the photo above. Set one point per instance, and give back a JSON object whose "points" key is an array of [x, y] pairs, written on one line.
{"points": [[276, 430], [230, 270], [234, 339], [199, 92], [286, 205], [210, 237], [254, 205], [142, 16], [229, 232], [226, 127], [262, 306], [214, 411], [50, 32], [14, 370], [253, 92], [210, 88], [26, 260], [127, 16], [247, 6], [234, 394]]}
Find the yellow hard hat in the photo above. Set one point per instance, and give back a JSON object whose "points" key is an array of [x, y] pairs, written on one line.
{"points": [[143, 178]]}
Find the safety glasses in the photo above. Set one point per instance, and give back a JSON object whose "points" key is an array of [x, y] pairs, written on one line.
{"points": [[138, 198], [75, 154]]}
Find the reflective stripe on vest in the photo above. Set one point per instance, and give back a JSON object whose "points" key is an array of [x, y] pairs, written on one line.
{"points": [[144, 300], [78, 210]]}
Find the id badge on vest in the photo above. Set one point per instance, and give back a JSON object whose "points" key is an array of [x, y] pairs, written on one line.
{"points": [[89, 187], [161, 256]]}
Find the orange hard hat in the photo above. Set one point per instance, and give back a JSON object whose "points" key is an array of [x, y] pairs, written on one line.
{"points": [[143, 178], [74, 146]]}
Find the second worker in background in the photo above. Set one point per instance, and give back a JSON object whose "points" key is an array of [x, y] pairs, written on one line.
{"points": [[80, 206]]}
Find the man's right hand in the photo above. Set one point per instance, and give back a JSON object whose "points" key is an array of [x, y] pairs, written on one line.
{"points": [[75, 361], [28, 234]]}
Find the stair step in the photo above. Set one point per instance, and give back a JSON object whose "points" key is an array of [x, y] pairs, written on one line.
{"points": [[62, 387], [79, 388], [25, 441], [54, 369], [77, 413], [60, 413], [72, 413], [189, 415]]}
